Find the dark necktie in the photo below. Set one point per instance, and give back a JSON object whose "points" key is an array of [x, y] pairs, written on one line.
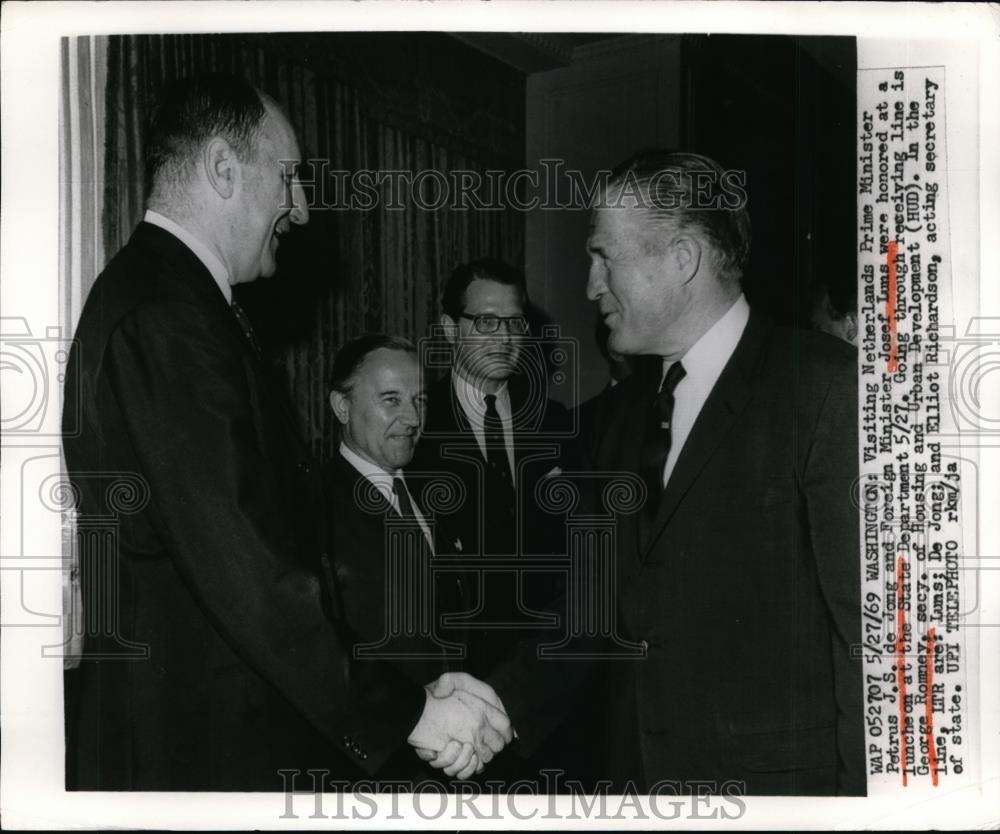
{"points": [[496, 448], [403, 498], [656, 446], [406, 505], [246, 326]]}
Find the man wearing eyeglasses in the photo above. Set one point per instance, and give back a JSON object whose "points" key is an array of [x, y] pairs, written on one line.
{"points": [[490, 413], [490, 422]]}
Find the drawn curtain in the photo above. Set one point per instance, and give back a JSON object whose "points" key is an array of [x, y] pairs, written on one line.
{"points": [[81, 171]]}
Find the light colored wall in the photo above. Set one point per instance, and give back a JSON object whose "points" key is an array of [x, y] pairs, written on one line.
{"points": [[616, 98]]}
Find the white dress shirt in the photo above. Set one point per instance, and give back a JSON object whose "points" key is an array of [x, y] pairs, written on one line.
{"points": [[201, 251], [703, 364], [382, 481], [473, 404]]}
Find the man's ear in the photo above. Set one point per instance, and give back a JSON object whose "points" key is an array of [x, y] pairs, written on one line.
{"points": [[450, 327], [221, 167], [686, 251], [341, 405]]}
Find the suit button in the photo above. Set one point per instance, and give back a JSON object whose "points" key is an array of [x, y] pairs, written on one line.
{"points": [[644, 646]]}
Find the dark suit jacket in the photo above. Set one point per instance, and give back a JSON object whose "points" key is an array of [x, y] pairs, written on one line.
{"points": [[215, 553], [589, 413], [747, 596], [521, 526], [391, 606], [448, 443], [524, 525]]}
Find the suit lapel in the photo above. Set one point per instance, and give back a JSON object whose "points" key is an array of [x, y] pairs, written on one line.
{"points": [[519, 422], [618, 447], [185, 266], [718, 416], [376, 507], [458, 424], [455, 419], [452, 592], [359, 492]]}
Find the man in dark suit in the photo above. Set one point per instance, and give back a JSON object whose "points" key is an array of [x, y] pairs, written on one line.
{"points": [[739, 577], [490, 423], [209, 660], [382, 539], [619, 367]]}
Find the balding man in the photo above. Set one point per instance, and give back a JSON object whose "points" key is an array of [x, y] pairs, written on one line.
{"points": [[211, 663]]}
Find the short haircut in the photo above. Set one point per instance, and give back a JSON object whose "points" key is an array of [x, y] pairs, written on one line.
{"points": [[687, 190], [353, 354], [189, 113], [485, 269]]}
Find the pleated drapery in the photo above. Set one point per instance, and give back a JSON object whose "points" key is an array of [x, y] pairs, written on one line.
{"points": [[81, 171]]}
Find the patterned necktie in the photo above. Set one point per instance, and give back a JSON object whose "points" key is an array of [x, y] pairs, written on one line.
{"points": [[496, 448], [246, 326], [656, 446]]}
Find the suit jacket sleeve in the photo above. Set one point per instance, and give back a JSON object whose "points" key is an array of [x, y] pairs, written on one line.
{"points": [[189, 406], [830, 472], [539, 693]]}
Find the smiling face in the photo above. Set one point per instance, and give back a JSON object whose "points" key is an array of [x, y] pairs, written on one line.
{"points": [[271, 199], [486, 360], [634, 281], [383, 413]]}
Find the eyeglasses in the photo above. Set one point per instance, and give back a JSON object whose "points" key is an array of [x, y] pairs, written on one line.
{"points": [[486, 324]]}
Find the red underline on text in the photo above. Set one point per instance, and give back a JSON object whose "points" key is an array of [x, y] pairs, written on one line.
{"points": [[890, 307], [929, 705]]}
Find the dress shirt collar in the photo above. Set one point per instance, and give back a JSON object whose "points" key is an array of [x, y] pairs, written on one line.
{"points": [[705, 359], [375, 474], [201, 251], [473, 400], [382, 481]]}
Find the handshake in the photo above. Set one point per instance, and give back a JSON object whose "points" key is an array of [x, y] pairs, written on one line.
{"points": [[463, 725]]}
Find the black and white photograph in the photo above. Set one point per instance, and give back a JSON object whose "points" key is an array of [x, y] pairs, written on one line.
{"points": [[560, 420]]}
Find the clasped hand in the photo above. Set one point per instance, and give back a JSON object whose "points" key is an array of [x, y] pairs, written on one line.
{"points": [[463, 726]]}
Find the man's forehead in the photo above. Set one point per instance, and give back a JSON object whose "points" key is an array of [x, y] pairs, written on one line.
{"points": [[483, 291], [607, 222], [382, 365], [278, 129]]}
